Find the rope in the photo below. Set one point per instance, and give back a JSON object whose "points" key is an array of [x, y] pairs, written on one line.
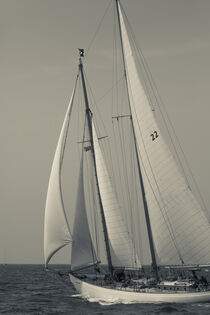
{"points": [[98, 28], [106, 147]]}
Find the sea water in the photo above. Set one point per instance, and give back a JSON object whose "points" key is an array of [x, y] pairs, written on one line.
{"points": [[29, 289]]}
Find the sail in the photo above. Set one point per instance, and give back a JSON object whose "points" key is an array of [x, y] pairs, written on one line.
{"points": [[82, 250], [56, 228], [180, 230], [122, 250]]}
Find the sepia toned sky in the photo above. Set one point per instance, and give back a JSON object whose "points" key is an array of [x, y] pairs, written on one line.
{"points": [[38, 62]]}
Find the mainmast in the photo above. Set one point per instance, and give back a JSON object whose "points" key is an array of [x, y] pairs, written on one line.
{"points": [[89, 119], [148, 224]]}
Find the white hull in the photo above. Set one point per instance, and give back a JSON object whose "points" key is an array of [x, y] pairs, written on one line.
{"points": [[91, 291]]}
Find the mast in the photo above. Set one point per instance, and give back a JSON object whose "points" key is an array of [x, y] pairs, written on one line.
{"points": [[146, 211], [89, 119]]}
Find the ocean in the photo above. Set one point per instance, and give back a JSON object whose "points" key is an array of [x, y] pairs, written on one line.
{"points": [[29, 289]]}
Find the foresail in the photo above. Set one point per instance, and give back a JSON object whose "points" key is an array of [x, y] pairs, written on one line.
{"points": [[56, 228], [83, 252], [180, 230], [122, 250]]}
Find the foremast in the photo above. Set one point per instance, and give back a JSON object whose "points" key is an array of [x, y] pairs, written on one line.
{"points": [[89, 120], [146, 211]]}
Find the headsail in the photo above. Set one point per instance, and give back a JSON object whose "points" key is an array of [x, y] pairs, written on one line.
{"points": [[180, 230], [83, 252], [56, 228], [122, 250]]}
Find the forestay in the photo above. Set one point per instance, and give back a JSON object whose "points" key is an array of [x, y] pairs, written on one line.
{"points": [[180, 230], [122, 250], [56, 228]]}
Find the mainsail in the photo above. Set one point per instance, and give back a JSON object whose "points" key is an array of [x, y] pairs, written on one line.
{"points": [[56, 228], [180, 230], [122, 250]]}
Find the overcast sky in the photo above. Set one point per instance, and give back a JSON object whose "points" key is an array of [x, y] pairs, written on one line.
{"points": [[38, 62]]}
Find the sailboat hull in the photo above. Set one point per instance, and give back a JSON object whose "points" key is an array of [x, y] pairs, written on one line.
{"points": [[92, 291]]}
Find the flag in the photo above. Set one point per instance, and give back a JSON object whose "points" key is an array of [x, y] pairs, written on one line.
{"points": [[81, 52]]}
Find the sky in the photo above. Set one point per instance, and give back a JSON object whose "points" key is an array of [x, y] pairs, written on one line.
{"points": [[38, 62]]}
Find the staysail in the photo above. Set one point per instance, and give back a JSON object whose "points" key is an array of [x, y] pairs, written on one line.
{"points": [[122, 249], [83, 252], [180, 230], [56, 228]]}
